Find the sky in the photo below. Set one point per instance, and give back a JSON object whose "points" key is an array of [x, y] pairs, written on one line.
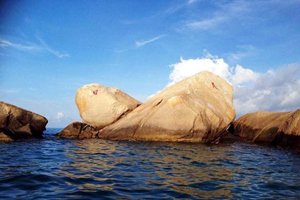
{"points": [[49, 49]]}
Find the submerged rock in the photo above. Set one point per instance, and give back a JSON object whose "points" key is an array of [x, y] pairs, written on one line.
{"points": [[100, 106], [78, 130], [18, 123], [276, 128], [197, 109]]}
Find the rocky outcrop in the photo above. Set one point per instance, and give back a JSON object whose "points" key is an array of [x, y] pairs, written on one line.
{"points": [[18, 123], [100, 106], [78, 130], [276, 128], [197, 109]]}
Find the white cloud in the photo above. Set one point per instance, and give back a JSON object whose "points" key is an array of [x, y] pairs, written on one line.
{"points": [[243, 52], [59, 115], [177, 7], [187, 68], [30, 47], [207, 23], [224, 13], [234, 11], [242, 75], [274, 90], [8, 91], [50, 50], [120, 51], [144, 42], [191, 1]]}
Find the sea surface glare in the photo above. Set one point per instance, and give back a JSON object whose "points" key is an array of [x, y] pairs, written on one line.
{"points": [[94, 169]]}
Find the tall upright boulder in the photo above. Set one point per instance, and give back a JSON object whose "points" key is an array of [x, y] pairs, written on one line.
{"points": [[100, 106], [276, 128], [18, 123], [197, 109]]}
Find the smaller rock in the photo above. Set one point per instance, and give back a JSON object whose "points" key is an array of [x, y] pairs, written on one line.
{"points": [[18, 123], [100, 106], [78, 130], [272, 128]]}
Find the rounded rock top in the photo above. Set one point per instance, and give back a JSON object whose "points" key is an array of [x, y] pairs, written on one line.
{"points": [[100, 106]]}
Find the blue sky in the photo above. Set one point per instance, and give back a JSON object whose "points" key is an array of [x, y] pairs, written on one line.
{"points": [[48, 49]]}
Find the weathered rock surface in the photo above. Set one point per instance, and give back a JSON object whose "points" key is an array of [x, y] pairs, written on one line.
{"points": [[197, 109], [18, 123], [276, 128], [100, 106], [78, 130]]}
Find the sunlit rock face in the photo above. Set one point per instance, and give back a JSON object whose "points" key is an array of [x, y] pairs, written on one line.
{"points": [[100, 106], [78, 130], [277, 128], [18, 123], [197, 109]]}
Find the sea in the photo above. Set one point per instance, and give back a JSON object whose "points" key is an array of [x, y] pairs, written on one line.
{"points": [[52, 168]]}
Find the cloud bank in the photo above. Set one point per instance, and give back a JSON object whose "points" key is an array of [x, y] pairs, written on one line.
{"points": [[274, 90]]}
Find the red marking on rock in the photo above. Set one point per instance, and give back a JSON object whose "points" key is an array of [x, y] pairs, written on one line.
{"points": [[95, 92], [213, 85]]}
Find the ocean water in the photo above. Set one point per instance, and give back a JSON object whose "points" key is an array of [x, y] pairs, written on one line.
{"points": [[97, 169]]}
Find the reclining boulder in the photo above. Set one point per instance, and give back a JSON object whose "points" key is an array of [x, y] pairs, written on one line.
{"points": [[197, 109]]}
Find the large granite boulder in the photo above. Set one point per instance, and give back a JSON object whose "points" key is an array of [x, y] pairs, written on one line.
{"points": [[197, 109], [78, 130], [18, 123], [100, 106], [275, 128]]}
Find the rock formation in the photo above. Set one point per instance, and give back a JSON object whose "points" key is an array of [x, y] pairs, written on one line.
{"points": [[197, 109], [276, 128], [18, 123], [100, 106], [78, 130]]}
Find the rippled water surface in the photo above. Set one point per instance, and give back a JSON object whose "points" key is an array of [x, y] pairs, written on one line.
{"points": [[85, 169]]}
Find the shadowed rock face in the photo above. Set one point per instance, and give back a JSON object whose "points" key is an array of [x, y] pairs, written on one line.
{"points": [[197, 109], [18, 123], [276, 128], [100, 106], [78, 130]]}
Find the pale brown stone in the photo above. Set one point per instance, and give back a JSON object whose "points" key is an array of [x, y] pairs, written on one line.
{"points": [[197, 109], [100, 106], [277, 128]]}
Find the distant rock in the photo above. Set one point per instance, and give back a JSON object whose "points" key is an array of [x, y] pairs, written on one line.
{"points": [[275, 128], [78, 130], [18, 123], [100, 106], [197, 109]]}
